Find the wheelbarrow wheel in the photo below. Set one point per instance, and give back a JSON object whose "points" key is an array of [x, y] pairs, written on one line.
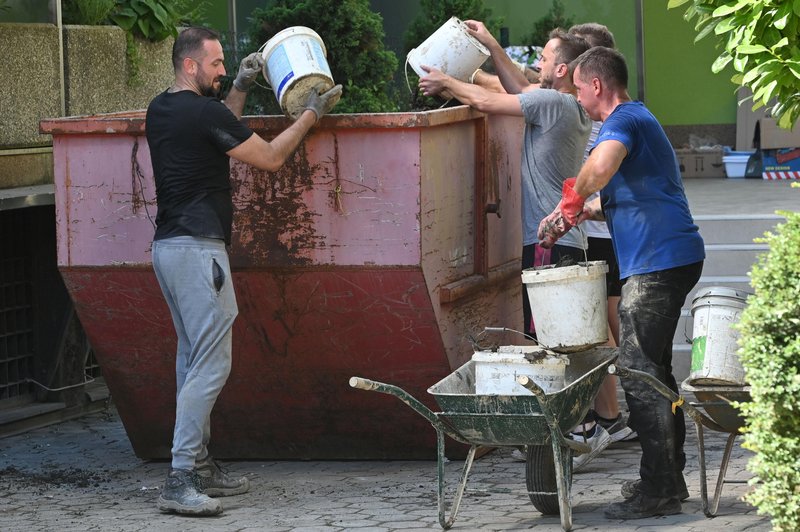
{"points": [[540, 479]]}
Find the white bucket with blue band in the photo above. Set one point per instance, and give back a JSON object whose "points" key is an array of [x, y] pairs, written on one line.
{"points": [[295, 64]]}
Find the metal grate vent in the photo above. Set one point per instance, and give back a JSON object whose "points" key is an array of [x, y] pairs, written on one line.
{"points": [[16, 328]]}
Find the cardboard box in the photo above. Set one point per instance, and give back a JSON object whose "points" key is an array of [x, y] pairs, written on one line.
{"points": [[781, 164], [770, 136], [700, 163]]}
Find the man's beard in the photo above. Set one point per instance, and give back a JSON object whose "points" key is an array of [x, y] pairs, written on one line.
{"points": [[206, 89], [209, 90], [546, 83]]}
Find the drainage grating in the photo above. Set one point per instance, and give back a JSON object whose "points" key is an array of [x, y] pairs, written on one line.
{"points": [[16, 328]]}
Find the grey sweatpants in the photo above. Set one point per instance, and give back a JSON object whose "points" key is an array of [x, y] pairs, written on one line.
{"points": [[195, 278]]}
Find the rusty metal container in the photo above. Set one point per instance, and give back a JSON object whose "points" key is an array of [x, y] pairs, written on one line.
{"points": [[376, 251]]}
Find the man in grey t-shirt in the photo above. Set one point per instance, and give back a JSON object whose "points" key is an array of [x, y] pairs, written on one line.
{"points": [[556, 131]]}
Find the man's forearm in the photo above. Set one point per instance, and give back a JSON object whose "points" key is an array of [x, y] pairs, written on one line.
{"points": [[235, 101]]}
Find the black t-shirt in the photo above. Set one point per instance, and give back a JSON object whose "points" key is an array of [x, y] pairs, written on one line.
{"points": [[189, 136]]}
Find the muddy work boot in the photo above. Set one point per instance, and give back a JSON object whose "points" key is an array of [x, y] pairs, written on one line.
{"points": [[640, 506], [183, 494], [217, 483], [631, 487]]}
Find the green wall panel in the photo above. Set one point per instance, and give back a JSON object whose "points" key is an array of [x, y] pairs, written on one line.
{"points": [[618, 15], [680, 88]]}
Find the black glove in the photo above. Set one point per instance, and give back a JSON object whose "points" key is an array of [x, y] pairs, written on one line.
{"points": [[322, 104], [248, 70]]}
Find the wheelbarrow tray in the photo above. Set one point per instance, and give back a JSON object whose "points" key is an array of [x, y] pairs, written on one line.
{"points": [[499, 420], [716, 401]]}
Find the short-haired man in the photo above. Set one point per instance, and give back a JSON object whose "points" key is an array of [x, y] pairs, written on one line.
{"points": [[556, 131], [660, 253], [192, 135]]}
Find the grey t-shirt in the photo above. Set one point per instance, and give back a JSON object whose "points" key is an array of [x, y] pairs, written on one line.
{"points": [[556, 131]]}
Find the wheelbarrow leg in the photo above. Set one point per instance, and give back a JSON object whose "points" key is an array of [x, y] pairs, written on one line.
{"points": [[723, 469], [563, 459], [446, 524], [562, 452]]}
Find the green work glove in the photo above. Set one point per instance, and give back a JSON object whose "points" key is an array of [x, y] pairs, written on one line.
{"points": [[248, 70], [322, 104]]}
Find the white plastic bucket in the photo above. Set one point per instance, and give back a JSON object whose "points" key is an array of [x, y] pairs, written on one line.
{"points": [[294, 65], [714, 339], [449, 49], [496, 373], [569, 305]]}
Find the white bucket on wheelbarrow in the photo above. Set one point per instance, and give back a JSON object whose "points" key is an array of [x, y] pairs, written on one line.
{"points": [[294, 65], [569, 305], [715, 360], [449, 49], [496, 372]]}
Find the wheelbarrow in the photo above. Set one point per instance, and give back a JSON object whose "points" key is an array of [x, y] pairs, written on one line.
{"points": [[538, 421], [720, 416]]}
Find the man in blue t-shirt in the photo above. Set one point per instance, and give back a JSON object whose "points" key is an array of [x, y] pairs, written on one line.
{"points": [[660, 254], [192, 135]]}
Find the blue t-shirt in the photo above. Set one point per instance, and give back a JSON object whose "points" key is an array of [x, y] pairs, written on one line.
{"points": [[644, 203]]}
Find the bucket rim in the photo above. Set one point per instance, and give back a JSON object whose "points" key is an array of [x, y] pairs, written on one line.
{"points": [[738, 296], [291, 31], [471, 39], [551, 273]]}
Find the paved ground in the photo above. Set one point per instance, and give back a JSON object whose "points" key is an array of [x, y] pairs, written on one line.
{"points": [[83, 475]]}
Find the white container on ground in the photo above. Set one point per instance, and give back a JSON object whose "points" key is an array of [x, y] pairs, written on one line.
{"points": [[449, 49], [735, 165], [715, 359], [569, 305], [496, 373], [294, 65]]}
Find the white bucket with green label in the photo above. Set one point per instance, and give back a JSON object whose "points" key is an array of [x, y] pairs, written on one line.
{"points": [[295, 64], [715, 359]]}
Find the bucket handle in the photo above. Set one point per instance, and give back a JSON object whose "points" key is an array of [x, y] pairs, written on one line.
{"points": [[506, 329], [408, 83], [267, 85]]}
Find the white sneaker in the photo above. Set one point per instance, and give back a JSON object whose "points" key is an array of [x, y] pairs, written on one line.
{"points": [[519, 455], [597, 442]]}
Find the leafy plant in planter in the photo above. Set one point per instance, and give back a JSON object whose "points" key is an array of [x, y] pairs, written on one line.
{"points": [[770, 354], [87, 12], [353, 36], [152, 20]]}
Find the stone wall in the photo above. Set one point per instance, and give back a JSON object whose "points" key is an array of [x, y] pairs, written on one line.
{"points": [[96, 73]]}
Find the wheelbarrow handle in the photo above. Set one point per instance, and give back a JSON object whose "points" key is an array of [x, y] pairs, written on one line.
{"points": [[390, 389], [663, 389], [549, 416]]}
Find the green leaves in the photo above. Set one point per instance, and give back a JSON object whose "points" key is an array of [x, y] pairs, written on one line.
{"points": [[154, 20], [761, 40], [770, 354]]}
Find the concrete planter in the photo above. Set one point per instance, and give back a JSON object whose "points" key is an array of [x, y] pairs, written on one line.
{"points": [[95, 81]]}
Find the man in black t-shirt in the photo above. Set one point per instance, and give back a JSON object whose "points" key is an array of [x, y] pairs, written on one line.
{"points": [[192, 135]]}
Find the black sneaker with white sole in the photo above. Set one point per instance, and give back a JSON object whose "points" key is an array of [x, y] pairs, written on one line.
{"points": [[617, 429]]}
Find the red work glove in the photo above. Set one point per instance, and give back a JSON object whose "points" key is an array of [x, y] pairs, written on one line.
{"points": [[566, 215], [571, 202]]}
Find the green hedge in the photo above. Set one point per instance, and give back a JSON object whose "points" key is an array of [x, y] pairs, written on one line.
{"points": [[770, 354]]}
